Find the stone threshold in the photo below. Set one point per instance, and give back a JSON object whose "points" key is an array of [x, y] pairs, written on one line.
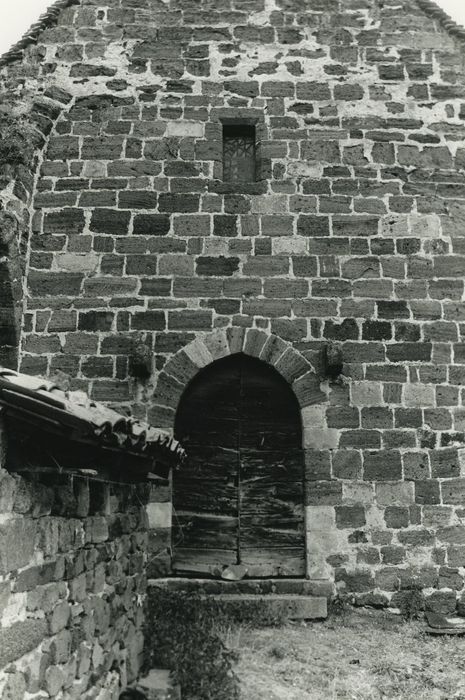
{"points": [[293, 599], [258, 586]]}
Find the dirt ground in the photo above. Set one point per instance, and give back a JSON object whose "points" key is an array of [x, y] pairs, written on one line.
{"points": [[364, 656]]}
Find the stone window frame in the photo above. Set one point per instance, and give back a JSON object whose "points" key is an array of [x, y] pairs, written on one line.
{"points": [[240, 117], [244, 126]]}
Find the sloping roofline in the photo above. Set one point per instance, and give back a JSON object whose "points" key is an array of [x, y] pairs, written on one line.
{"points": [[48, 19], [38, 406]]}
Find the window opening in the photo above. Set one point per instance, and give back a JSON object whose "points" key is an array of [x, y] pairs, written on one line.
{"points": [[239, 153]]}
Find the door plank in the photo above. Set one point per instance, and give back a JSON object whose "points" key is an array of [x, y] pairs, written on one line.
{"points": [[203, 561], [199, 530], [239, 496], [266, 562]]}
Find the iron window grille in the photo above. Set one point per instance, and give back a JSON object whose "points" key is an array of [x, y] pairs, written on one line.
{"points": [[239, 153]]}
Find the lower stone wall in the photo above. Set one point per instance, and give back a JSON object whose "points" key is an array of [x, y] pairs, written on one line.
{"points": [[72, 586]]}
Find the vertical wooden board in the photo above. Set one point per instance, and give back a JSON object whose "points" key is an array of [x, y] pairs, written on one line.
{"points": [[203, 561], [240, 494], [205, 531], [206, 463], [271, 501], [265, 562], [220, 498], [272, 466]]}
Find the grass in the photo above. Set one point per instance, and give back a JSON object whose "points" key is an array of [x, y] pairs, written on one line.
{"points": [[362, 656]]}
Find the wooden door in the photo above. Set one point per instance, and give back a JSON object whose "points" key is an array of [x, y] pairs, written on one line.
{"points": [[239, 496]]}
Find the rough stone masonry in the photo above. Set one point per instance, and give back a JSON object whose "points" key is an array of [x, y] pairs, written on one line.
{"points": [[122, 234], [72, 586]]}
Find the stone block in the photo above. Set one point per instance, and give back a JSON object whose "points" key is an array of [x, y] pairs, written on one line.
{"points": [[14, 686], [54, 680], [59, 617], [416, 465], [321, 438], [320, 517], [347, 464], [193, 225], [323, 493], [20, 638], [442, 602], [357, 492], [350, 517], [17, 544], [444, 464], [159, 515], [317, 465], [427, 492], [383, 465], [8, 486], [421, 395], [454, 534], [185, 129], [308, 392], [357, 581], [271, 204], [416, 538], [366, 393], [198, 353], [395, 493], [217, 266], [453, 491]]}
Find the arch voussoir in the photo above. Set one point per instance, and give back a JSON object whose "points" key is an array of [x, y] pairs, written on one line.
{"points": [[236, 339], [181, 367], [307, 390], [198, 353], [292, 365], [273, 349], [254, 342], [218, 345], [201, 352]]}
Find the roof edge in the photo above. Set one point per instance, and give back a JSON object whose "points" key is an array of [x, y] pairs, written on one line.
{"points": [[47, 19], [39, 405], [432, 9]]}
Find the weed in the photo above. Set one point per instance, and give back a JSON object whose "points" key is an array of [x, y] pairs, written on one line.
{"points": [[278, 651], [16, 142], [340, 605], [251, 613], [181, 634], [411, 604]]}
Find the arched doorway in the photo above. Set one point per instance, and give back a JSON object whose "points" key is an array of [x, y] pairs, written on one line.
{"points": [[238, 499]]}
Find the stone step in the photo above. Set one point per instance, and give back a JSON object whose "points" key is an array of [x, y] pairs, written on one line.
{"points": [[158, 685], [278, 598], [286, 606], [279, 586]]}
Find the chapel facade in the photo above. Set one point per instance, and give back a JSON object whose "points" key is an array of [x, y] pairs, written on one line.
{"points": [[242, 222]]}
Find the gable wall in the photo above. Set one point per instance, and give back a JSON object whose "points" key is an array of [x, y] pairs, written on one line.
{"points": [[357, 241]]}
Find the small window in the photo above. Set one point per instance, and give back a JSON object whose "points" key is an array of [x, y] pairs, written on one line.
{"points": [[239, 153]]}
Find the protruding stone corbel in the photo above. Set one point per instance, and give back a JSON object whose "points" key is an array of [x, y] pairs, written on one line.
{"points": [[333, 360]]}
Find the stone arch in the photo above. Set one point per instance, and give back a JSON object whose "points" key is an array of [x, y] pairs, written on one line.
{"points": [[27, 129], [204, 350]]}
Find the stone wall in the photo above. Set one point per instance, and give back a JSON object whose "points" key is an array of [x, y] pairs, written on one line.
{"points": [[352, 238], [73, 555]]}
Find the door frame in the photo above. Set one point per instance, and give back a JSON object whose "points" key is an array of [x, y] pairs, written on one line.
{"points": [[289, 362]]}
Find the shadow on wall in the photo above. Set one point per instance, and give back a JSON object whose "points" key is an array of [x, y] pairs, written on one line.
{"points": [[10, 290]]}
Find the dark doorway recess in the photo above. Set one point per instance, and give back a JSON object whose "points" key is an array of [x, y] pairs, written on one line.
{"points": [[238, 499]]}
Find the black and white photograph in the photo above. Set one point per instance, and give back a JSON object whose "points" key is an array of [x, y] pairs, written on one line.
{"points": [[232, 350]]}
